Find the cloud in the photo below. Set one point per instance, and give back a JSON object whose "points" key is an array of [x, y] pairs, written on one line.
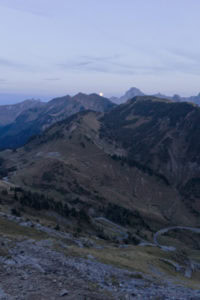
{"points": [[111, 64], [25, 7], [52, 79], [182, 61], [15, 65], [187, 56], [74, 65], [90, 63], [10, 64], [102, 58], [2, 80]]}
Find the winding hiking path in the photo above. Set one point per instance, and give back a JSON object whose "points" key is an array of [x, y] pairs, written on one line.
{"points": [[167, 229]]}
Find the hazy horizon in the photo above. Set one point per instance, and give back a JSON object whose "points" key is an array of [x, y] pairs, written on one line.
{"points": [[51, 48], [7, 99]]}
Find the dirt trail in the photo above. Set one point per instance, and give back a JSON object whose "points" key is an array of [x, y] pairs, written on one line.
{"points": [[167, 229]]}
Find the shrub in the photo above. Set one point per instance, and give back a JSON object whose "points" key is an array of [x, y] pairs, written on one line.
{"points": [[15, 212]]}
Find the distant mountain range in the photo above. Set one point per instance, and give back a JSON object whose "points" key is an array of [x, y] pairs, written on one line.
{"points": [[8, 113], [21, 121], [143, 155], [133, 92], [116, 186]]}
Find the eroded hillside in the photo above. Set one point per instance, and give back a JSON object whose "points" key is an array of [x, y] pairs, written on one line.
{"points": [[100, 188]]}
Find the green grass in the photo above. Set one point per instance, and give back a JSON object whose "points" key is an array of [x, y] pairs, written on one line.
{"points": [[12, 230], [136, 259]]}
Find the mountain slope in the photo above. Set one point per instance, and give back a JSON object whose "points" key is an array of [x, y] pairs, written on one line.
{"points": [[134, 92], [142, 156], [33, 121], [95, 184], [8, 113], [131, 93], [68, 162], [161, 136]]}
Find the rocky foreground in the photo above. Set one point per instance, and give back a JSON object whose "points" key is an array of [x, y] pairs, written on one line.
{"points": [[42, 267]]}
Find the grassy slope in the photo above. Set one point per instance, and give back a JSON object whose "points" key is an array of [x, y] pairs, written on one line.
{"points": [[70, 161]]}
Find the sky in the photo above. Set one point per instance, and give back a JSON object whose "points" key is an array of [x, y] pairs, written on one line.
{"points": [[52, 48]]}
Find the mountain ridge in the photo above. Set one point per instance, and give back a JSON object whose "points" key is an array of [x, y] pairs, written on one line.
{"points": [[37, 118], [133, 92], [9, 113], [134, 156]]}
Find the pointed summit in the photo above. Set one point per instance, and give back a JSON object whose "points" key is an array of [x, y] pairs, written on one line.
{"points": [[131, 93]]}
